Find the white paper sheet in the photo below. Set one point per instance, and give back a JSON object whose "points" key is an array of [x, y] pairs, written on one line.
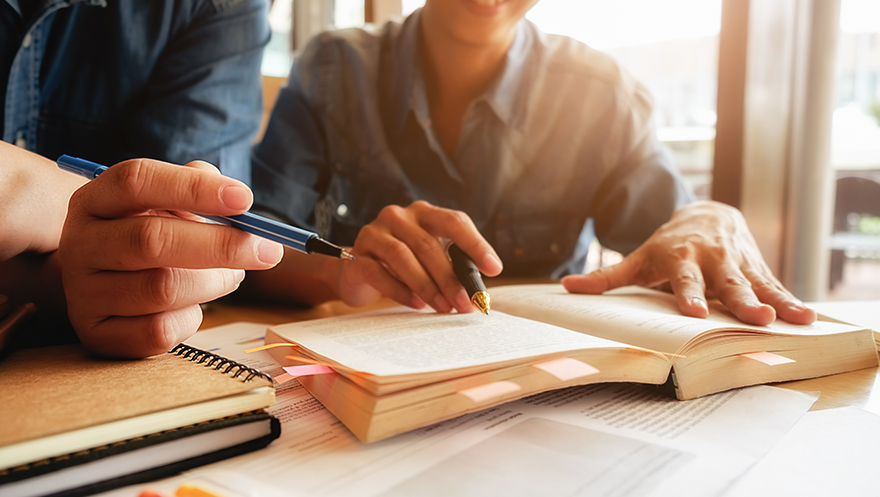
{"points": [[829, 452], [540, 445]]}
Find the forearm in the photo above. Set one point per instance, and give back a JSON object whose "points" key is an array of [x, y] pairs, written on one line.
{"points": [[299, 278], [35, 194]]}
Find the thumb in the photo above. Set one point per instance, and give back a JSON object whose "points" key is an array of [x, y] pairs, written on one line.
{"points": [[603, 279]]}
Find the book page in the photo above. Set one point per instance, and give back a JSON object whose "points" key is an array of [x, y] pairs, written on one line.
{"points": [[402, 341], [632, 315], [828, 452]]}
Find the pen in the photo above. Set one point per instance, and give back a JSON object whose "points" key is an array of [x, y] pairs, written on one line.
{"points": [[290, 236], [470, 278], [13, 320]]}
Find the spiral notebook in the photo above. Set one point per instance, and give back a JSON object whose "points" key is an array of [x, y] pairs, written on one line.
{"points": [[58, 401]]}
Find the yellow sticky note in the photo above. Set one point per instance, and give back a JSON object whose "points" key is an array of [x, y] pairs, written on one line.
{"points": [[187, 490]]}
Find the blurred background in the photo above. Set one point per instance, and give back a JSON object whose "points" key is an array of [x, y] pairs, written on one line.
{"points": [[768, 105]]}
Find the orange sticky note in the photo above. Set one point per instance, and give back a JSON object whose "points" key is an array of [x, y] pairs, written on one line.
{"points": [[567, 368], [768, 358], [490, 391], [151, 493], [283, 378]]}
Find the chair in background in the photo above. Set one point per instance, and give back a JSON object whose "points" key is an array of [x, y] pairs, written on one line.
{"points": [[855, 198]]}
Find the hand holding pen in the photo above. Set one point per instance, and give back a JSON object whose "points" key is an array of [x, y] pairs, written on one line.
{"points": [[400, 255], [133, 275]]}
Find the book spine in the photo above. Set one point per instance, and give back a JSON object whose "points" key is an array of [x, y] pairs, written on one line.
{"points": [[219, 363]]}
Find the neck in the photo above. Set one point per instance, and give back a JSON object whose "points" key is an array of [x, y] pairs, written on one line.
{"points": [[457, 72]]}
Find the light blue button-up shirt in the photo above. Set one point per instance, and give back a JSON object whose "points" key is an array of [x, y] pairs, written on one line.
{"points": [[560, 142]]}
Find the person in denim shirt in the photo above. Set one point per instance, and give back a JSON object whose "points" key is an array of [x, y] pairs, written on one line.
{"points": [[110, 81], [465, 122]]}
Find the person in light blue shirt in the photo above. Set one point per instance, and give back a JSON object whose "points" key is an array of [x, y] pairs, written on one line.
{"points": [[465, 122]]}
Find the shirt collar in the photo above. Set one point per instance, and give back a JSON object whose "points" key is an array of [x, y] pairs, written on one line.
{"points": [[14, 5], [507, 95], [52, 3], [405, 71]]}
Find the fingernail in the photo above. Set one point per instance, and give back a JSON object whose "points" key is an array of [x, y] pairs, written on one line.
{"points": [[697, 301], [441, 304], [493, 263], [236, 197], [269, 252], [417, 303], [238, 275]]}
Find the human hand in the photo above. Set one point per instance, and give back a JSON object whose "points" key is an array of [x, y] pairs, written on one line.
{"points": [[400, 255], [35, 193], [705, 248], [135, 265]]}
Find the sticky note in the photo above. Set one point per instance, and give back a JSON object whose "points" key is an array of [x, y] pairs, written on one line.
{"points": [[567, 368], [270, 346], [488, 391], [187, 490], [283, 378], [768, 358], [307, 370]]}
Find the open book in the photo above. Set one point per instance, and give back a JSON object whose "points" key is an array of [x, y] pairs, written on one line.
{"points": [[398, 369]]}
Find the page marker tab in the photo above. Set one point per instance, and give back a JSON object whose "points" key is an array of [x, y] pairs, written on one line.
{"points": [[768, 358], [307, 370], [283, 378], [270, 346], [567, 368], [488, 391]]}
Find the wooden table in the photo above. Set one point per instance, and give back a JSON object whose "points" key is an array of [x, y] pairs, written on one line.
{"points": [[856, 388]]}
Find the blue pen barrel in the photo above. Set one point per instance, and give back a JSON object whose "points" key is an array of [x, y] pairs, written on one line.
{"points": [[289, 236]]}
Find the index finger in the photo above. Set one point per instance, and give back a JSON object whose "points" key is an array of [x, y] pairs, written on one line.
{"points": [[138, 185], [458, 227]]}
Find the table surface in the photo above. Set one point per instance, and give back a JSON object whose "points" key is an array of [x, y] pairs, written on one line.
{"points": [[856, 388]]}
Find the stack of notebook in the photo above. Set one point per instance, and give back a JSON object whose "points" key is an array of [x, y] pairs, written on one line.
{"points": [[73, 425]]}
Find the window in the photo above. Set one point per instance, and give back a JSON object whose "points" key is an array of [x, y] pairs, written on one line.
{"points": [[855, 155]]}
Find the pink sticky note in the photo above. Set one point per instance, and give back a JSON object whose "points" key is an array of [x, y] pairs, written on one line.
{"points": [[768, 358], [567, 368], [307, 370], [490, 391]]}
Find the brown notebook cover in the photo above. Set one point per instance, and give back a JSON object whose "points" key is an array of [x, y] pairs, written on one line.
{"points": [[56, 390]]}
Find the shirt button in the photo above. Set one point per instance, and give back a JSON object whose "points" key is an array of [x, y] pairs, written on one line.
{"points": [[342, 210], [26, 42], [518, 252], [554, 248], [21, 142]]}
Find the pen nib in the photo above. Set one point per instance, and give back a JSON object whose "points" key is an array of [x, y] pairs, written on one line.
{"points": [[346, 255], [481, 301]]}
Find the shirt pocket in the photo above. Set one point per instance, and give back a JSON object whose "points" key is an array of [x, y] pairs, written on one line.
{"points": [[535, 245], [354, 199]]}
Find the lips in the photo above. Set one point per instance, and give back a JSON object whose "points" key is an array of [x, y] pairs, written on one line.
{"points": [[486, 7]]}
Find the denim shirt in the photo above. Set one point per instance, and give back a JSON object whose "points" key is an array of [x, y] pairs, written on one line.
{"points": [[562, 137], [110, 80]]}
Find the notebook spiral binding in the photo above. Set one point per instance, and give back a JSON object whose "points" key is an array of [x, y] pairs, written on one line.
{"points": [[219, 363]]}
